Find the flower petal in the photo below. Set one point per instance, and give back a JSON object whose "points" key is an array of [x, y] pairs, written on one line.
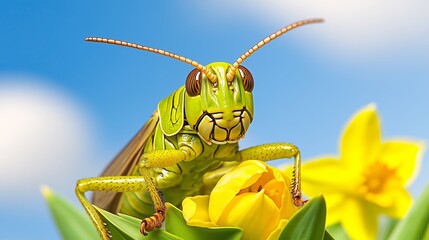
{"points": [[403, 156], [360, 219], [274, 189], [326, 175], [335, 207], [255, 213], [361, 140], [333, 179], [274, 235], [195, 211], [242, 176], [399, 202], [288, 208]]}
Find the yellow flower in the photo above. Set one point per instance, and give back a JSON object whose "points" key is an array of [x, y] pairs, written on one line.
{"points": [[253, 196], [368, 179]]}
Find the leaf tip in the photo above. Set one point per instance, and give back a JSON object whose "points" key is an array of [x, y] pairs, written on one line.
{"points": [[46, 191]]}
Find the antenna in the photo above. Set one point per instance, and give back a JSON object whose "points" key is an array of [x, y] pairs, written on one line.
{"points": [[200, 67], [231, 71]]}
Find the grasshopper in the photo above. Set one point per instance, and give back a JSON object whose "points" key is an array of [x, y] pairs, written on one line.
{"points": [[187, 145]]}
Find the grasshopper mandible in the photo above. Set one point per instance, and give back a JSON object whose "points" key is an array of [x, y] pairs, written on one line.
{"points": [[190, 141]]}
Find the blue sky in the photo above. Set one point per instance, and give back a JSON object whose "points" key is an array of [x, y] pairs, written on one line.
{"points": [[68, 106]]}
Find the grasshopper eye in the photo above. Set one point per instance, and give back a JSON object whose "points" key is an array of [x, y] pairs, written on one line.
{"points": [[246, 78], [193, 85]]}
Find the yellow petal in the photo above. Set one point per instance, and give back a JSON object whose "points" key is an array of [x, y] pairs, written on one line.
{"points": [[333, 179], [195, 211], [274, 235], [327, 175], [255, 213], [242, 176], [288, 208], [263, 179], [278, 174], [335, 207], [274, 189], [361, 140], [399, 202], [360, 219], [402, 156]]}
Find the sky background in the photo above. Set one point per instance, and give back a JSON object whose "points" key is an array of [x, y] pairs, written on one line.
{"points": [[68, 106]]}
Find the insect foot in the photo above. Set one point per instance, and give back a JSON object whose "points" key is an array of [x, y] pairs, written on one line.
{"points": [[298, 201], [152, 222]]}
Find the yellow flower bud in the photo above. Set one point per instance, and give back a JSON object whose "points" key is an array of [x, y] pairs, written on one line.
{"points": [[253, 196]]}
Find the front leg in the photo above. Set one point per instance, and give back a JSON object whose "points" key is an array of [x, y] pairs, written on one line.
{"points": [[159, 159], [273, 151]]}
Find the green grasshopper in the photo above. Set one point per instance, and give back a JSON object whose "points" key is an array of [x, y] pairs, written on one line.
{"points": [[187, 145]]}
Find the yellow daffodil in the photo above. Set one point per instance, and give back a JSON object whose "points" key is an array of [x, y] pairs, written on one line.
{"points": [[368, 179], [253, 196]]}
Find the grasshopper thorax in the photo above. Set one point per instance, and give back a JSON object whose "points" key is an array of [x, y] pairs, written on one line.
{"points": [[221, 110]]}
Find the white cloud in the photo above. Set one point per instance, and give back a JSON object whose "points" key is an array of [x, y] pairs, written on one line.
{"points": [[45, 138], [357, 27]]}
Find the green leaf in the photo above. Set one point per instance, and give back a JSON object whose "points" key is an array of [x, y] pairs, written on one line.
{"points": [[307, 223], [426, 235], [125, 227], [386, 227], [176, 225], [416, 222], [72, 222], [338, 231], [328, 236]]}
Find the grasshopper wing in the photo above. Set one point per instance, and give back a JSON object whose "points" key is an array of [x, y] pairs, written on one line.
{"points": [[124, 163]]}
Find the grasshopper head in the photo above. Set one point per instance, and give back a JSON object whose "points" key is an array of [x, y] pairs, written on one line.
{"points": [[220, 109], [218, 99]]}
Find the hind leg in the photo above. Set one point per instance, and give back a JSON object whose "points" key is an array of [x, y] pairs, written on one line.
{"points": [[108, 184]]}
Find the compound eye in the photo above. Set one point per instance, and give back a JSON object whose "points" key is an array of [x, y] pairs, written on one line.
{"points": [[246, 78], [193, 83]]}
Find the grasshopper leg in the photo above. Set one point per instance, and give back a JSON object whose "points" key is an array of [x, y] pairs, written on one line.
{"points": [[156, 220], [121, 184], [159, 159], [153, 159], [108, 184]]}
